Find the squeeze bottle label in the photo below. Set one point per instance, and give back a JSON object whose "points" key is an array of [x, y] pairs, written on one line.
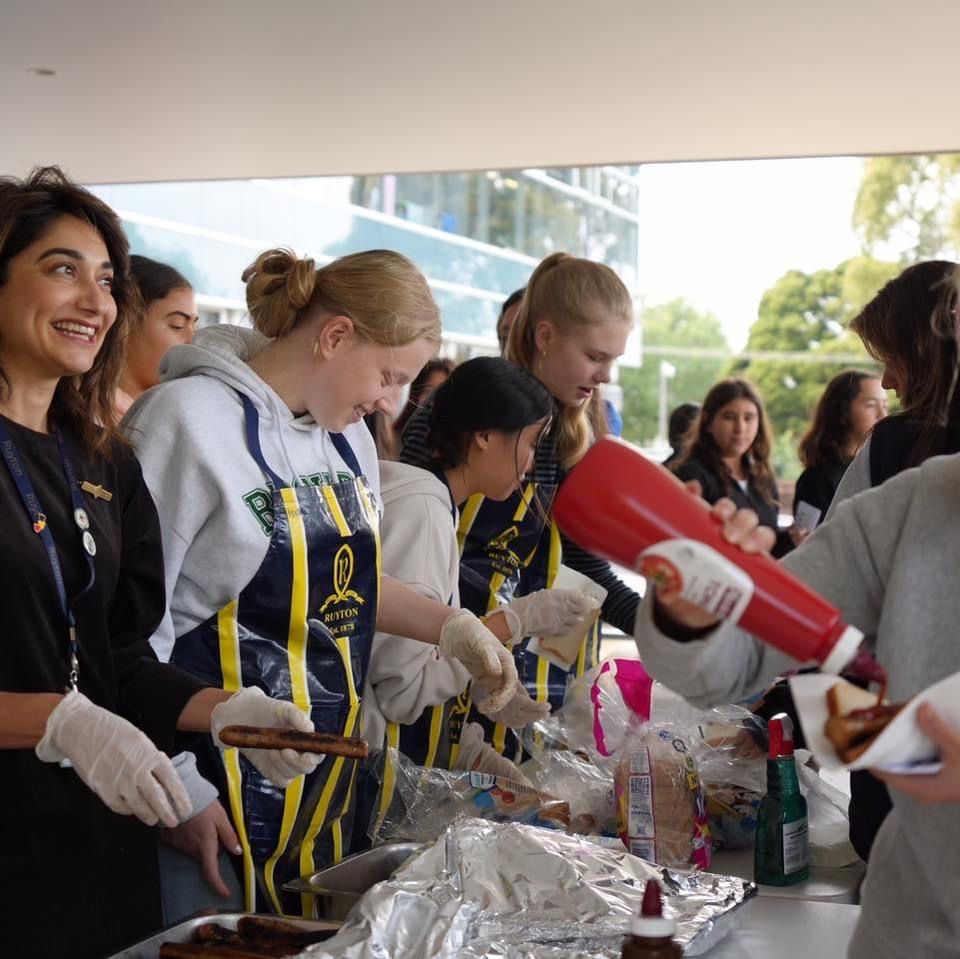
{"points": [[618, 504], [700, 574]]}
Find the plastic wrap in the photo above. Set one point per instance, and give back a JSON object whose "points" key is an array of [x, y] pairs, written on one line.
{"points": [[486, 890], [426, 800]]}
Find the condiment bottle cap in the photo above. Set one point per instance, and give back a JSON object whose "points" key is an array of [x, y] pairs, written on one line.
{"points": [[652, 923], [780, 729]]}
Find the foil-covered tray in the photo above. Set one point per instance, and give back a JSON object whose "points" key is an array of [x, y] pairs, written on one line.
{"points": [[489, 890], [338, 887], [184, 932]]}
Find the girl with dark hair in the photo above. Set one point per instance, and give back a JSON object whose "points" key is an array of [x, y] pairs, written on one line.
{"points": [[571, 327], [729, 455], [848, 409], [169, 318], [485, 423], [433, 374], [86, 711], [910, 327]]}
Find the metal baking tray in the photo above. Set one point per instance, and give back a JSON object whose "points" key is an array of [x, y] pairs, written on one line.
{"points": [[338, 887], [183, 932]]}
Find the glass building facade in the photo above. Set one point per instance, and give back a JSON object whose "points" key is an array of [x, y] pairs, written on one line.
{"points": [[477, 236]]}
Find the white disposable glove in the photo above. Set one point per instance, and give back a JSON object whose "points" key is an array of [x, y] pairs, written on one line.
{"points": [[464, 637], [547, 612], [116, 760], [519, 711], [476, 756], [252, 707]]}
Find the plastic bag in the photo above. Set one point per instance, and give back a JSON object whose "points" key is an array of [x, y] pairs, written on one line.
{"points": [[424, 801], [660, 803], [827, 813], [728, 744]]}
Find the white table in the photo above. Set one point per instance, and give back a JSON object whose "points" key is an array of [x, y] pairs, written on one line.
{"points": [[789, 929], [838, 885]]}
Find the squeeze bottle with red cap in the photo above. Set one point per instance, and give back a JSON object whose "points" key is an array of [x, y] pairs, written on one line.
{"points": [[620, 505], [780, 848], [651, 933]]}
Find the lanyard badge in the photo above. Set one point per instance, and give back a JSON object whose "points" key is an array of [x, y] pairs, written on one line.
{"points": [[38, 519]]}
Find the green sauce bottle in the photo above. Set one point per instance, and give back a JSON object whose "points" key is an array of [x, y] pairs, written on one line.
{"points": [[780, 852]]}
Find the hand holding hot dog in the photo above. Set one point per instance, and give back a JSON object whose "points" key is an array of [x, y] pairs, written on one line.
{"points": [[944, 786]]}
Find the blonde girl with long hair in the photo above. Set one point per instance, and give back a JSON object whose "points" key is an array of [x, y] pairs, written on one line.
{"points": [[572, 326]]}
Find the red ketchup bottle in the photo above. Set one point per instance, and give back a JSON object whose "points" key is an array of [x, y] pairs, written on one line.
{"points": [[620, 505]]}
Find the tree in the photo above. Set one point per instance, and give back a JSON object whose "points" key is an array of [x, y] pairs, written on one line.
{"points": [[673, 324], [909, 206], [807, 313]]}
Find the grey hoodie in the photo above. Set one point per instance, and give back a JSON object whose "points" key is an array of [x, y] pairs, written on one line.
{"points": [[419, 541], [211, 495], [888, 559]]}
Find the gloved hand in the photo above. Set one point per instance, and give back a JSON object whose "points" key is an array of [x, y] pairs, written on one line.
{"points": [[476, 756], [464, 637], [519, 711], [116, 760], [252, 707], [547, 612]]}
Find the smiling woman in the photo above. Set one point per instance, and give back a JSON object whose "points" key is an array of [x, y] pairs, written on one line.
{"points": [[81, 590]]}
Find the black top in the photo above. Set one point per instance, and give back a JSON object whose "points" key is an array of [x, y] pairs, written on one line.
{"points": [[620, 607], [713, 488], [76, 879], [817, 484]]}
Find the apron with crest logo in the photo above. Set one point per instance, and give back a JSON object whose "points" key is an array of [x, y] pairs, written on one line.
{"points": [[301, 630]]}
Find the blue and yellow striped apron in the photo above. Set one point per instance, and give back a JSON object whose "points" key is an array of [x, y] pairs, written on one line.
{"points": [[301, 630], [507, 548]]}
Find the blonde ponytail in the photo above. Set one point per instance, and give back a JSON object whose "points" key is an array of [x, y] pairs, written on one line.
{"points": [[571, 293], [387, 298]]}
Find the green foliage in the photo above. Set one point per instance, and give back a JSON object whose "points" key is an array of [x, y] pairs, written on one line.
{"points": [[807, 313], [678, 324], [910, 206]]}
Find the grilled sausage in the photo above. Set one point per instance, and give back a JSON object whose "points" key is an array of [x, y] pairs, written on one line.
{"points": [[256, 737]]}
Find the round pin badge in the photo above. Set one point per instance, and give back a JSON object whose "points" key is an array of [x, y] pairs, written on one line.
{"points": [[81, 519], [89, 544]]}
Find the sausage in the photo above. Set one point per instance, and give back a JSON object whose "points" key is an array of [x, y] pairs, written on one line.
{"points": [[256, 737], [267, 929], [211, 933], [211, 950], [854, 733]]}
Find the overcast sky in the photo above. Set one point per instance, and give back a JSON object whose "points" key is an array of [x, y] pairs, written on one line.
{"points": [[720, 234]]}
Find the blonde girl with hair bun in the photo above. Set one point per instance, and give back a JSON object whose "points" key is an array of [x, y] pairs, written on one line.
{"points": [[572, 326], [266, 481]]}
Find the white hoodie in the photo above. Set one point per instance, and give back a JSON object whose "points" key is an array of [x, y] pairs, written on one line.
{"points": [[418, 537], [189, 436]]}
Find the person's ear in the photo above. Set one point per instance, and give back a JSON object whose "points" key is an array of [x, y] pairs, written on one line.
{"points": [[335, 333], [482, 440], [544, 336]]}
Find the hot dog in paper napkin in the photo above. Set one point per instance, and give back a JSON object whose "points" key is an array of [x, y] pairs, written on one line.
{"points": [[901, 747]]}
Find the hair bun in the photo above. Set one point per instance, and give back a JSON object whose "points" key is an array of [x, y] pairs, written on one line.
{"points": [[279, 285]]}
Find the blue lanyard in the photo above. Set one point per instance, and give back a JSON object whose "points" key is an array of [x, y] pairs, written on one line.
{"points": [[39, 520]]}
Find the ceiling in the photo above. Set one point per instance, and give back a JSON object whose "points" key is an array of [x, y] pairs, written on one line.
{"points": [[199, 89]]}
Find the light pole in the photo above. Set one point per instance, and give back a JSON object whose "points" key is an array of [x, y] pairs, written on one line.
{"points": [[667, 372]]}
